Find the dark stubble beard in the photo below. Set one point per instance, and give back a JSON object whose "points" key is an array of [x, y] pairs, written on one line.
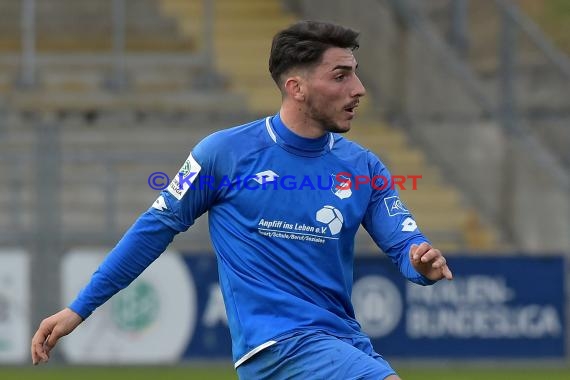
{"points": [[326, 122]]}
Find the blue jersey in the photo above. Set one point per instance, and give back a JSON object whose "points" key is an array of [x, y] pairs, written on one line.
{"points": [[283, 214]]}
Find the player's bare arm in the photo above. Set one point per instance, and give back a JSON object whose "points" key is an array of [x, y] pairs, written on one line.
{"points": [[430, 262], [49, 332]]}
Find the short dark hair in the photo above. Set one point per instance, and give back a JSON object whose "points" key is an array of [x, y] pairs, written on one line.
{"points": [[303, 44]]}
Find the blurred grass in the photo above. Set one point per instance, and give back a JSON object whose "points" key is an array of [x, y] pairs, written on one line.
{"points": [[225, 372]]}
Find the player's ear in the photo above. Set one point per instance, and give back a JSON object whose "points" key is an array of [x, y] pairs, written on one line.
{"points": [[294, 88]]}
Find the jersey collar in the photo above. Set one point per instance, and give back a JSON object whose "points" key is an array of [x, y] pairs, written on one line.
{"points": [[294, 143]]}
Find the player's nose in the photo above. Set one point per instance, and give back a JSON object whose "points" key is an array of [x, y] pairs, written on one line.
{"points": [[359, 89]]}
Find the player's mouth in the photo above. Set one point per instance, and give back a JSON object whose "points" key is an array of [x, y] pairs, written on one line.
{"points": [[351, 109]]}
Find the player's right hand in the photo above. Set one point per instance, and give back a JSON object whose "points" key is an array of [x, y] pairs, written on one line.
{"points": [[49, 332]]}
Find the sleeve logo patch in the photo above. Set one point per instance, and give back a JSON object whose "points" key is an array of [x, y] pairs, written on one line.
{"points": [[184, 178], [160, 204], [395, 206], [409, 225]]}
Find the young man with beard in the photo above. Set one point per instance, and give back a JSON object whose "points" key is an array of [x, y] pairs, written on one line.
{"points": [[286, 291]]}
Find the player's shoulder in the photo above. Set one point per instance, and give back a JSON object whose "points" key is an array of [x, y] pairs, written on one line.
{"points": [[345, 147]]}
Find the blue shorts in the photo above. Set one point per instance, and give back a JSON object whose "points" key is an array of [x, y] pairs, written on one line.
{"points": [[317, 356]]}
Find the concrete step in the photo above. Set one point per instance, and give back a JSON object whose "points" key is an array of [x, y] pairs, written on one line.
{"points": [[540, 87], [555, 133], [9, 196], [222, 8], [431, 196], [410, 161], [437, 206], [61, 23], [261, 100], [363, 130], [104, 101]]}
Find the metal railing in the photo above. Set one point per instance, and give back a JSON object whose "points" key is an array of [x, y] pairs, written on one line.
{"points": [[504, 108], [522, 22], [469, 126], [505, 111]]}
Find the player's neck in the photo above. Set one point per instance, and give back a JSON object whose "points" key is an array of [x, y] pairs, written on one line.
{"points": [[299, 123]]}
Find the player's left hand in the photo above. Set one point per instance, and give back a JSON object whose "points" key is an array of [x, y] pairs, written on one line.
{"points": [[429, 262]]}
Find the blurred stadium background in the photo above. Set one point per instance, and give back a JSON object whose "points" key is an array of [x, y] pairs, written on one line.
{"points": [[474, 96]]}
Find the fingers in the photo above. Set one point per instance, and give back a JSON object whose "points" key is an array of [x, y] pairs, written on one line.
{"points": [[430, 261], [425, 253], [447, 273], [44, 340], [50, 331], [413, 252], [438, 262], [441, 263], [40, 351], [38, 354], [419, 252], [52, 339]]}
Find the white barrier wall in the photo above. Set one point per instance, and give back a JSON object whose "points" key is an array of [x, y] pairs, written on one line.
{"points": [[151, 321], [174, 310], [14, 306]]}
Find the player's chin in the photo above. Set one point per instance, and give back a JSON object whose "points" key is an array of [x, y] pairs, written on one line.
{"points": [[343, 126], [339, 128]]}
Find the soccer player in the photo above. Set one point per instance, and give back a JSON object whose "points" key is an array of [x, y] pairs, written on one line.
{"points": [[282, 225]]}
